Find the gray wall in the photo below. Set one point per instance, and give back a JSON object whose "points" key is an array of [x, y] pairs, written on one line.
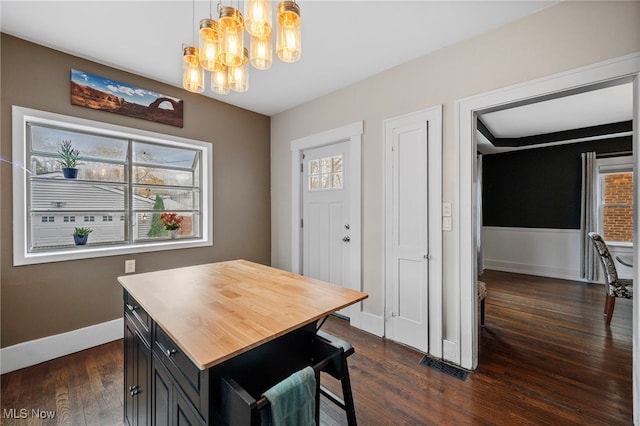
{"points": [[47, 299]]}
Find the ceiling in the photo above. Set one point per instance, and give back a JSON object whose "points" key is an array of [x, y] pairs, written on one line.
{"points": [[539, 122], [343, 41]]}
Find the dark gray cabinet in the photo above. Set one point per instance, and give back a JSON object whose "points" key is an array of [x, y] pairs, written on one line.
{"points": [[162, 386], [170, 406], [137, 392]]}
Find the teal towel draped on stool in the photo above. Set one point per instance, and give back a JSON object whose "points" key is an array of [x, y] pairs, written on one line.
{"points": [[292, 401]]}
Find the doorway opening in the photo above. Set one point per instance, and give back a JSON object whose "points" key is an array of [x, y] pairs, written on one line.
{"points": [[608, 72]]}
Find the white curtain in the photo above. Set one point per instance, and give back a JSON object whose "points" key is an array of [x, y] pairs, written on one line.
{"points": [[479, 214], [588, 215]]}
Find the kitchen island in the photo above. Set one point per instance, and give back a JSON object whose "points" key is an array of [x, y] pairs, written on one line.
{"points": [[189, 331]]}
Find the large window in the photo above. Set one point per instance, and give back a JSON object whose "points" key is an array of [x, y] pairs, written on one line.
{"points": [[615, 199], [126, 180]]}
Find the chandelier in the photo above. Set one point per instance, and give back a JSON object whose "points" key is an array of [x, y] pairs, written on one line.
{"points": [[222, 50]]}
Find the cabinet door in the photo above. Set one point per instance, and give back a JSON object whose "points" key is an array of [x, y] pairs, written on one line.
{"points": [[170, 406], [184, 412], [130, 374], [143, 394], [162, 387], [136, 371]]}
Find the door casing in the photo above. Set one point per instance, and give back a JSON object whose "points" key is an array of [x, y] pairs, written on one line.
{"points": [[352, 133]]}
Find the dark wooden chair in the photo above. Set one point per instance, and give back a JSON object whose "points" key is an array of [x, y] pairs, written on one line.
{"points": [[616, 287]]}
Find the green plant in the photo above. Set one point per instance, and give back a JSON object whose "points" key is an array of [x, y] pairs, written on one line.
{"points": [[157, 227], [68, 155], [82, 231]]}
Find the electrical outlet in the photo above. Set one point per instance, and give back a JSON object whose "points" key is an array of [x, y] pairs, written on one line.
{"points": [[129, 266]]}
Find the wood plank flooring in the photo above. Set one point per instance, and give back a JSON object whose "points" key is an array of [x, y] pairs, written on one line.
{"points": [[546, 358]]}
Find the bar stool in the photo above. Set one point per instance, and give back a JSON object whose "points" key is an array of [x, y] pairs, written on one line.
{"points": [[340, 371]]}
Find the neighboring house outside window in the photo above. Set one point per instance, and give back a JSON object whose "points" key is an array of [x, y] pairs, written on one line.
{"points": [[615, 200], [123, 173]]}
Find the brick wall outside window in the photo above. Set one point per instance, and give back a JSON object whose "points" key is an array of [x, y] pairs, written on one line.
{"points": [[618, 209]]}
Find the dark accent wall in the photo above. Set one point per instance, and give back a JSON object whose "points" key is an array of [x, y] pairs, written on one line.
{"points": [[52, 298], [538, 188]]}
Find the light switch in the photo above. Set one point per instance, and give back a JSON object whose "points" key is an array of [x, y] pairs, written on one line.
{"points": [[446, 209], [446, 224]]}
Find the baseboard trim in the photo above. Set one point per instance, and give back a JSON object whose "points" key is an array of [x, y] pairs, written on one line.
{"points": [[528, 269], [47, 348]]}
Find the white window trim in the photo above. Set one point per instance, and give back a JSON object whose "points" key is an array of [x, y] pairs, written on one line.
{"points": [[622, 164], [21, 116]]}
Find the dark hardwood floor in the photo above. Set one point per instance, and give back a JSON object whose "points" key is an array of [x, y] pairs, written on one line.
{"points": [[546, 358]]}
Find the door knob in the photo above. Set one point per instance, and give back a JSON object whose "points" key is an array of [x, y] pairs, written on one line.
{"points": [[346, 239]]}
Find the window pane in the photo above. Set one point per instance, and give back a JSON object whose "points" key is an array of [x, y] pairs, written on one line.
{"points": [[314, 167], [48, 140], [155, 176], [617, 214], [57, 233], [326, 165], [337, 181], [60, 194], [337, 163], [618, 223], [149, 226], [152, 198], [314, 182], [152, 154]]}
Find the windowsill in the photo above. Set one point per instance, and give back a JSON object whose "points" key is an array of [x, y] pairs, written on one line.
{"points": [[619, 244], [90, 252]]}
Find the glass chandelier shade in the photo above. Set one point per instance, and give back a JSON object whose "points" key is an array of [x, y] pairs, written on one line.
{"points": [[221, 49], [192, 72], [257, 17], [230, 28], [209, 44], [260, 52], [238, 77], [288, 34], [220, 80]]}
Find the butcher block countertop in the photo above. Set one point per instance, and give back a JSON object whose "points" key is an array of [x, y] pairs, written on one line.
{"points": [[216, 311]]}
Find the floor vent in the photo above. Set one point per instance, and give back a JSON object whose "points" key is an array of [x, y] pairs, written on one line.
{"points": [[445, 368]]}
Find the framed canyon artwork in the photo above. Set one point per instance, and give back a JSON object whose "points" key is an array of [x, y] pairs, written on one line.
{"points": [[92, 91]]}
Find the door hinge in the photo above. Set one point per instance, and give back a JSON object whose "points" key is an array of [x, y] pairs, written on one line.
{"points": [[301, 168], [301, 223]]}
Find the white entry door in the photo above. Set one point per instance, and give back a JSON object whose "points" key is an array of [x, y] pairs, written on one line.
{"points": [[407, 233], [325, 214]]}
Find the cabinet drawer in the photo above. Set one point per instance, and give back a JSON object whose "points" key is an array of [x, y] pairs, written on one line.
{"points": [[187, 375], [139, 317]]}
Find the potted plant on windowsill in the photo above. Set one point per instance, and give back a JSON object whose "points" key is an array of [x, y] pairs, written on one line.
{"points": [[68, 159], [172, 223], [81, 235]]}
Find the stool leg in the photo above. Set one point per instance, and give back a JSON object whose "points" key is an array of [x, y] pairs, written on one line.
{"points": [[318, 398], [347, 394]]}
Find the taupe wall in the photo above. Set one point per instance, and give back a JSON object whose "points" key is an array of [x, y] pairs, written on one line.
{"points": [[47, 299], [559, 38]]}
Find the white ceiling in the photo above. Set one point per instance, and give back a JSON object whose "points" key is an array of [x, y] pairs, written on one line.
{"points": [[590, 108], [343, 41]]}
